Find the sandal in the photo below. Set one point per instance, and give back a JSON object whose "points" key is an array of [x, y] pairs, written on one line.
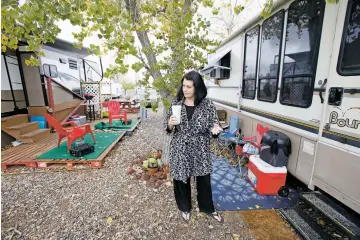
{"points": [[216, 216], [185, 216]]}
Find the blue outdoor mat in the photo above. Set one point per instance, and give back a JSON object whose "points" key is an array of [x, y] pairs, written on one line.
{"points": [[231, 193]]}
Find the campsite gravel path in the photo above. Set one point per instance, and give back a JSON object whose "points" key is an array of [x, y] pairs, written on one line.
{"points": [[79, 204]]}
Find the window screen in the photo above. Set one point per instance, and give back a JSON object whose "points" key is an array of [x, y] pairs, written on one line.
{"points": [[303, 32], [250, 62], [271, 37], [349, 61]]}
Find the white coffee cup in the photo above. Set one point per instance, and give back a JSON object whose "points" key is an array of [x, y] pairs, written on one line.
{"points": [[176, 111]]}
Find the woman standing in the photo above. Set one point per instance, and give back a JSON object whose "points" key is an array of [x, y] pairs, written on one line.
{"points": [[190, 145]]}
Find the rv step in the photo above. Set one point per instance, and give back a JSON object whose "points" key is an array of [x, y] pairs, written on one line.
{"points": [[35, 136], [311, 223], [300, 225], [335, 212]]}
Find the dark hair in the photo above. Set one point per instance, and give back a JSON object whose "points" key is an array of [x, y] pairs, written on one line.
{"points": [[200, 88]]}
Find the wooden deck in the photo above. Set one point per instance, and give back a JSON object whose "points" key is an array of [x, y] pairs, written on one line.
{"points": [[26, 154]]}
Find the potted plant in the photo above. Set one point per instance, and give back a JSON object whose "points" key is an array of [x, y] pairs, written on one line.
{"points": [[152, 166]]}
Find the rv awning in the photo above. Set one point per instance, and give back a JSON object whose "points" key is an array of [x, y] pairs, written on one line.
{"points": [[214, 64]]}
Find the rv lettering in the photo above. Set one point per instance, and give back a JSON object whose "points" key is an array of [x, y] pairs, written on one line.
{"points": [[342, 122]]}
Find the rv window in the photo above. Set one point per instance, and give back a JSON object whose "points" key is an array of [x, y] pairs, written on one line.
{"points": [[73, 63], [349, 61], [250, 62], [303, 32], [271, 36]]}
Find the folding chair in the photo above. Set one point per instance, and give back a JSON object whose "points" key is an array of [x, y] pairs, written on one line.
{"points": [[226, 138]]}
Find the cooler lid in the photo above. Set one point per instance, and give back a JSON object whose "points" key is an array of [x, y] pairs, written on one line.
{"points": [[264, 166]]}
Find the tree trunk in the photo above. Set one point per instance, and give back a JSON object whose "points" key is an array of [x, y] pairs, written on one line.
{"points": [[132, 6]]}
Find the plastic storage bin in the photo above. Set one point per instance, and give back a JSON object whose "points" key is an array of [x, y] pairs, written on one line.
{"points": [[40, 119], [80, 120], [266, 179]]}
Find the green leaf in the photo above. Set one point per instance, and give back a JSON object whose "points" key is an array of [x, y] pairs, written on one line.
{"points": [[109, 220], [266, 12], [215, 11], [238, 9]]}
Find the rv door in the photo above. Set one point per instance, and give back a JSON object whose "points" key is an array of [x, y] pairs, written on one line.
{"points": [[337, 163]]}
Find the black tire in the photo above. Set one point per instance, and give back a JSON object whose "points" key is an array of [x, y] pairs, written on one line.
{"points": [[284, 191]]}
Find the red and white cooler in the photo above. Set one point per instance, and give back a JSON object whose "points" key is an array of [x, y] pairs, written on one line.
{"points": [[266, 179]]}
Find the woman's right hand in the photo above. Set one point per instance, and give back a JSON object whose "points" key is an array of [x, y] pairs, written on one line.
{"points": [[172, 122]]}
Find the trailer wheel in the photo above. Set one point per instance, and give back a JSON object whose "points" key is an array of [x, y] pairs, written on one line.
{"points": [[284, 191]]}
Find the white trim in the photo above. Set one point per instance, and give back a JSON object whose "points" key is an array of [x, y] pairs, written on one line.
{"points": [[264, 167], [226, 106], [297, 131]]}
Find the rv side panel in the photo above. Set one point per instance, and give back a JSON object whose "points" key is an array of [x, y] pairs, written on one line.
{"points": [[33, 82]]}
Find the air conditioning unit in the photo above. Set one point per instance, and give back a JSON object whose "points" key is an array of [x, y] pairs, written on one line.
{"points": [[215, 73]]}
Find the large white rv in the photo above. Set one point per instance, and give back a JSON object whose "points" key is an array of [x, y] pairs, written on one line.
{"points": [[298, 72]]}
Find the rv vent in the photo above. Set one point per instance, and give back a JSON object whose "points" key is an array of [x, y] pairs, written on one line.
{"points": [[72, 63]]}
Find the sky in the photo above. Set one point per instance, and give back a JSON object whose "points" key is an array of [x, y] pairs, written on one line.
{"points": [[67, 29]]}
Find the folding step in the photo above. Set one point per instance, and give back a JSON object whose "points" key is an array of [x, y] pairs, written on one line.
{"points": [[35, 136], [23, 128], [301, 226], [345, 219]]}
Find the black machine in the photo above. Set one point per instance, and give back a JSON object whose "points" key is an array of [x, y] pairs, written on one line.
{"points": [[81, 150], [275, 149]]}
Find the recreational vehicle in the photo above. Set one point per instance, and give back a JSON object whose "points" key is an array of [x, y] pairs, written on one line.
{"points": [[24, 88], [298, 72]]}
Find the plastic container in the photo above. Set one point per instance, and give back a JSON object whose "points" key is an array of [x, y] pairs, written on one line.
{"points": [[37, 118], [266, 179], [42, 125], [80, 120], [40, 119]]}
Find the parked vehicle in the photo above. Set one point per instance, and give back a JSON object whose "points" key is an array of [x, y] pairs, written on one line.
{"points": [[298, 72]]}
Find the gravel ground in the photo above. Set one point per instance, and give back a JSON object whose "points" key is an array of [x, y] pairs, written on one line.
{"points": [[105, 203]]}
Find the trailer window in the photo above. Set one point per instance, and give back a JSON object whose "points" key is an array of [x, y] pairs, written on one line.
{"points": [[250, 62], [271, 35], [349, 61], [301, 49]]}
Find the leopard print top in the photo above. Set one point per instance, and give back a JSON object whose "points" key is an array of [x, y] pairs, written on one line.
{"points": [[190, 145]]}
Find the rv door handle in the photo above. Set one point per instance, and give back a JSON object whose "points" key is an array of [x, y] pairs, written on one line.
{"points": [[322, 89]]}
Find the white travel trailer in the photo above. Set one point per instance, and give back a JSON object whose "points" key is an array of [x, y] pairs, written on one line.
{"points": [[23, 87], [298, 72]]}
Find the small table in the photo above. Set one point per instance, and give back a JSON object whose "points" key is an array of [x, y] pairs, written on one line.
{"points": [[130, 106], [90, 109]]}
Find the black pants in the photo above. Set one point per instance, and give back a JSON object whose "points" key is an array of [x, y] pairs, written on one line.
{"points": [[204, 195]]}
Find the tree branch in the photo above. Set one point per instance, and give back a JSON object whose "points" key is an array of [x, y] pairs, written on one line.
{"points": [[141, 58]]}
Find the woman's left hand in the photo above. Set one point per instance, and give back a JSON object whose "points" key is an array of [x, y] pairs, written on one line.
{"points": [[216, 129]]}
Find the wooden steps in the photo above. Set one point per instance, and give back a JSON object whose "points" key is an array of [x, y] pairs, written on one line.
{"points": [[20, 128], [23, 128], [36, 135]]}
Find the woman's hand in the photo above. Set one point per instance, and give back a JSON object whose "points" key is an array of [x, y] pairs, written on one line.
{"points": [[216, 129], [172, 122]]}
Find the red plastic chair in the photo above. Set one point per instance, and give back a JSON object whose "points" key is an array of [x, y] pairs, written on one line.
{"points": [[71, 134], [256, 140], [115, 112]]}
